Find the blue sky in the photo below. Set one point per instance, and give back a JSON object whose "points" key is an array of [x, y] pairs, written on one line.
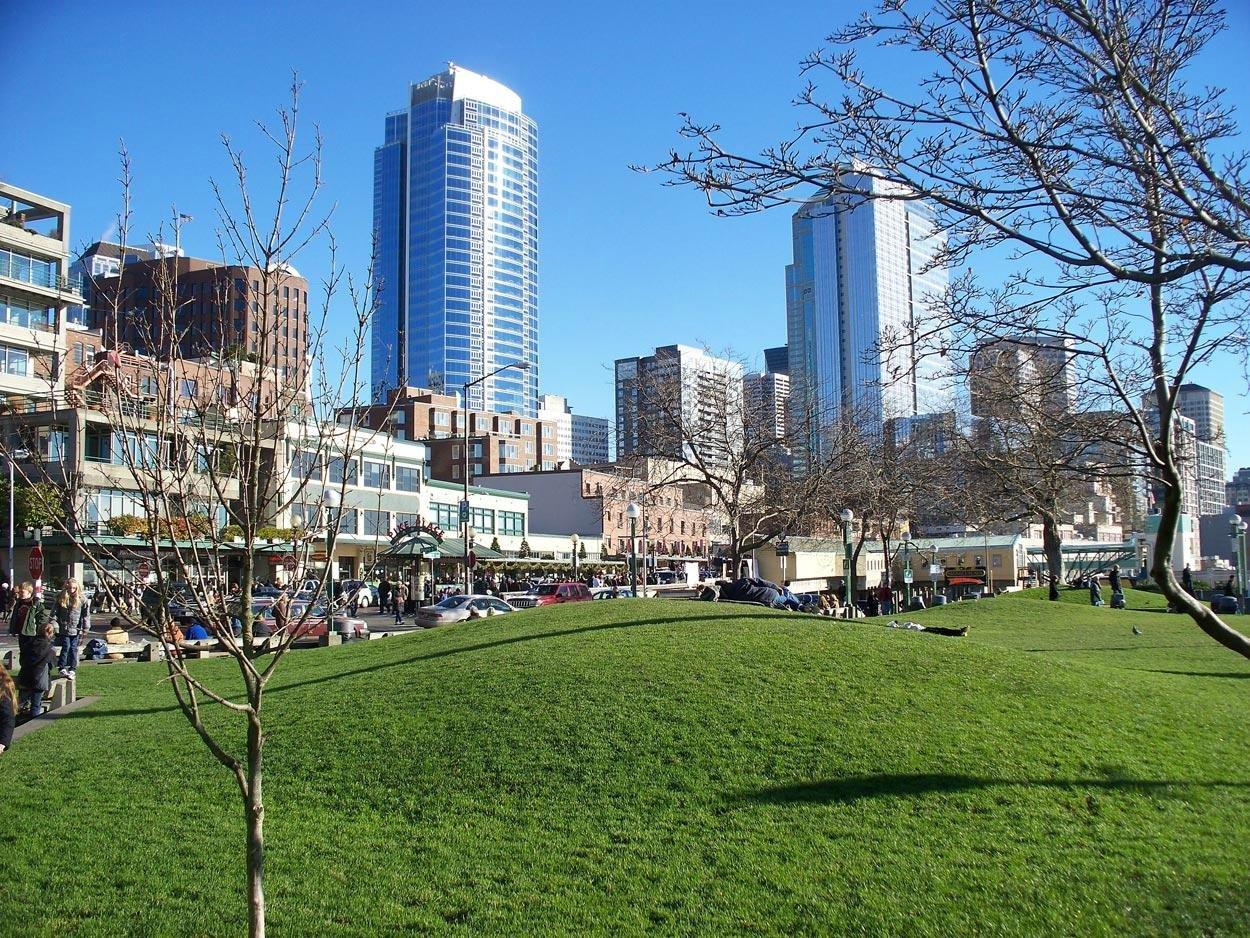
{"points": [[625, 263]]}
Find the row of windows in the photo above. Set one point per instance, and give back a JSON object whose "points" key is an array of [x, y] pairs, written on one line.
{"points": [[339, 471]]}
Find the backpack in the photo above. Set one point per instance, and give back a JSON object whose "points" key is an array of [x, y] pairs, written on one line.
{"points": [[97, 650]]}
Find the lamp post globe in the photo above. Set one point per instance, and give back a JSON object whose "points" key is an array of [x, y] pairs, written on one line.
{"points": [[848, 570], [632, 511], [331, 499]]}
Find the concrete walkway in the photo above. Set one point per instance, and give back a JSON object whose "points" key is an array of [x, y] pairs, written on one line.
{"points": [[44, 719]]}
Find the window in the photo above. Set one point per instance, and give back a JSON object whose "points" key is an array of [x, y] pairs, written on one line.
{"points": [[512, 522], [446, 517], [483, 520], [14, 361], [377, 475], [405, 517], [79, 353], [348, 520], [340, 470], [442, 418], [377, 523], [306, 466], [187, 388], [407, 478]]}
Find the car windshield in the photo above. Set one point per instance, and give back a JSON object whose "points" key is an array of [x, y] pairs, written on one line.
{"points": [[451, 602], [547, 589]]}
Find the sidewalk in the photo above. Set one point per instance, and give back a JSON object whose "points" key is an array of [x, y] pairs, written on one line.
{"points": [[44, 719]]}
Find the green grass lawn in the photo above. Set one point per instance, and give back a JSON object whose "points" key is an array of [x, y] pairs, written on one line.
{"points": [[615, 767]]}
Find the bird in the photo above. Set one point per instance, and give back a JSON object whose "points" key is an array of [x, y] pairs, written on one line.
{"points": [[1136, 630]]}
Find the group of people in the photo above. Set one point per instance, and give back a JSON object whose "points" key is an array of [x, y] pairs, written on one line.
{"points": [[34, 628]]}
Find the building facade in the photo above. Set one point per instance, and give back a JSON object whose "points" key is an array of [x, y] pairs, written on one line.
{"points": [[767, 399], [777, 360], [675, 398], [202, 308], [554, 411], [1206, 409], [455, 215], [590, 440], [37, 291], [862, 273], [1237, 491]]}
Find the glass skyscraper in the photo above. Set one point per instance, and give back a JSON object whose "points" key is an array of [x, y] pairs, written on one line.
{"points": [[455, 213], [857, 299]]}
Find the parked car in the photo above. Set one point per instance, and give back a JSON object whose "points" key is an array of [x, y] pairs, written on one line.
{"points": [[551, 593], [664, 577], [605, 592], [314, 624], [458, 608], [350, 586]]}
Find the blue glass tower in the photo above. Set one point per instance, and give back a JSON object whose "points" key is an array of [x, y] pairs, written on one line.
{"points": [[455, 214]]}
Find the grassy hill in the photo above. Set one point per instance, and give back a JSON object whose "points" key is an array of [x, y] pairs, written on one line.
{"points": [[622, 766]]}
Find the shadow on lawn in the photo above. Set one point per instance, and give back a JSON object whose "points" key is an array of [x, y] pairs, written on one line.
{"points": [[446, 653], [1232, 674], [857, 787]]}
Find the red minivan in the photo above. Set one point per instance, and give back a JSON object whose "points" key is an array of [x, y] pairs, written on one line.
{"points": [[549, 593]]}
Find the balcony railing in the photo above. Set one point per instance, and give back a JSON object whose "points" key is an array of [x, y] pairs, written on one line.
{"points": [[37, 271]]}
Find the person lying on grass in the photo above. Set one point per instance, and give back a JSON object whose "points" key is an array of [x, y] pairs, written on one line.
{"points": [[932, 629]]}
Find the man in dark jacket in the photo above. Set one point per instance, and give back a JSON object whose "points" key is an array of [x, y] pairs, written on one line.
{"points": [[751, 590]]}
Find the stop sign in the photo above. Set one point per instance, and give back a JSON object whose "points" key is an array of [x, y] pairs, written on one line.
{"points": [[144, 571], [35, 564]]}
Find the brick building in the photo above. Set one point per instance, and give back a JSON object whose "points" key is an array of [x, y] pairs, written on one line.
{"points": [[217, 309], [498, 443]]}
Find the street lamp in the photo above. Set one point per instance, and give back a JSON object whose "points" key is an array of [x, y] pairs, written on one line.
{"points": [[849, 569], [907, 545], [1237, 531], [632, 512], [331, 499], [464, 435], [574, 538]]}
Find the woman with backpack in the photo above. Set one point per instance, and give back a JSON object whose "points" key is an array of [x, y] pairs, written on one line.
{"points": [[37, 657], [72, 616], [28, 614], [8, 709]]}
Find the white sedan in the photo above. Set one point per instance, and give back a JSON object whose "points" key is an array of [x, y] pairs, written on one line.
{"points": [[459, 608], [605, 592]]}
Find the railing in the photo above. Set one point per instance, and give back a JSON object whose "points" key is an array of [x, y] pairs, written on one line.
{"points": [[34, 270]]}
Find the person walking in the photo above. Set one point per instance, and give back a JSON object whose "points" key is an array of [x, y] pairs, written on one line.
{"points": [[384, 595], [73, 620], [36, 657], [401, 599], [8, 709], [1114, 578], [1095, 591], [1187, 580]]}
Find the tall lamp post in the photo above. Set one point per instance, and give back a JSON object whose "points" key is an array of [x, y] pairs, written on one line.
{"points": [[849, 569], [907, 545], [632, 511], [574, 538], [12, 515], [1237, 531], [331, 499], [464, 436]]}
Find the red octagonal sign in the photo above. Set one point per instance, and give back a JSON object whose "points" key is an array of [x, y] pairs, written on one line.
{"points": [[35, 564]]}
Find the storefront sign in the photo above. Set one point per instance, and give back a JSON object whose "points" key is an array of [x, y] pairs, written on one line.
{"points": [[965, 576], [421, 526]]}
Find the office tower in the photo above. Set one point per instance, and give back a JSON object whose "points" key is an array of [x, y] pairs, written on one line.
{"points": [[590, 440], [1237, 491], [862, 275], [777, 360], [1205, 408], [36, 292], [678, 397], [455, 215]]}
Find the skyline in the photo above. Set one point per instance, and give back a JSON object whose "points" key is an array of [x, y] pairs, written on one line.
{"points": [[628, 265]]}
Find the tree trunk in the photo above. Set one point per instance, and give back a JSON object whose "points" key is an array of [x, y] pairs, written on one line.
{"points": [[255, 811], [1163, 573], [1052, 543]]}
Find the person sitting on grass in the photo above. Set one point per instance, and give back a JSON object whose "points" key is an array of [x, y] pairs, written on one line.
{"points": [[1095, 591], [961, 632]]}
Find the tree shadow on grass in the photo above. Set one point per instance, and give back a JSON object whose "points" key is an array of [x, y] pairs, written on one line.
{"points": [[1233, 674], [857, 787]]}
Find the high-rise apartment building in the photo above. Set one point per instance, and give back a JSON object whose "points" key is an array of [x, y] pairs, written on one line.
{"points": [[862, 273], [677, 397], [1206, 409], [554, 411], [1237, 492], [768, 402], [36, 292], [455, 214], [590, 440], [1037, 369]]}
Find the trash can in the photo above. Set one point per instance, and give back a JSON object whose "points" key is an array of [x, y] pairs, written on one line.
{"points": [[939, 600]]}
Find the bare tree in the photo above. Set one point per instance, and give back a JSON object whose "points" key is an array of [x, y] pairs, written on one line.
{"points": [[193, 417], [1066, 133], [698, 427]]}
